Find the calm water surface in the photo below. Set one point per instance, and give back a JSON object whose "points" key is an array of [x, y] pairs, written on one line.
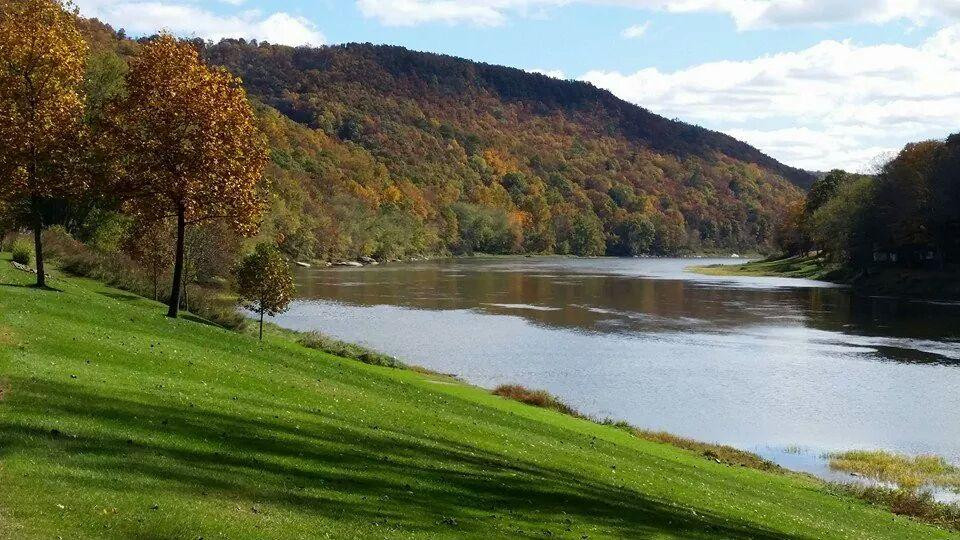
{"points": [[758, 363]]}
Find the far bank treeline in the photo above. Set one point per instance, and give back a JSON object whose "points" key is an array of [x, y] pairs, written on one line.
{"points": [[905, 215]]}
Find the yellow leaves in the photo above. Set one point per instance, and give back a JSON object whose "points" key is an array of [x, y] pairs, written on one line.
{"points": [[42, 52], [189, 133]]}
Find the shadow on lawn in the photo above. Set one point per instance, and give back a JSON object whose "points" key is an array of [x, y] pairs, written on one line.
{"points": [[320, 465]]}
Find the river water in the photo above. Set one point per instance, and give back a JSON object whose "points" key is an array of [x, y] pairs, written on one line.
{"points": [[787, 368]]}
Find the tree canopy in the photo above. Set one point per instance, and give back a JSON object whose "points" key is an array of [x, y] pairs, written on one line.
{"points": [[42, 54], [190, 145], [264, 282]]}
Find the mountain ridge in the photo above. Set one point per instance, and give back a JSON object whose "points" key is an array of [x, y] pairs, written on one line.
{"points": [[568, 93]]}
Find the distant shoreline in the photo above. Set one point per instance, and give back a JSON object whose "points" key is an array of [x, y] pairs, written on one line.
{"points": [[942, 285]]}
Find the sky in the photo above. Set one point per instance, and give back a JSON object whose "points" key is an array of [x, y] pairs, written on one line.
{"points": [[817, 84]]}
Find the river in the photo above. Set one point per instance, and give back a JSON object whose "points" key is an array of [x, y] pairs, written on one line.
{"points": [[786, 368]]}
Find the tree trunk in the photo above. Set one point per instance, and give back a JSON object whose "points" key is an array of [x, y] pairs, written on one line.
{"points": [[261, 324], [38, 241], [177, 267]]}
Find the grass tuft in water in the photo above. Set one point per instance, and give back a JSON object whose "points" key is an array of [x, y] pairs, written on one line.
{"points": [[910, 473]]}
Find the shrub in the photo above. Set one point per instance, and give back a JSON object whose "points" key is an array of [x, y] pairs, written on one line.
{"points": [[537, 398], [120, 271], [905, 502], [22, 251], [320, 342]]}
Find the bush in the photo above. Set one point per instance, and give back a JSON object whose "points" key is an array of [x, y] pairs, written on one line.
{"points": [[22, 251], [904, 502], [537, 398], [120, 271], [320, 342]]}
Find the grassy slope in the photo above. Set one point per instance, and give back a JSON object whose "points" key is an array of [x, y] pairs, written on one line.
{"points": [[117, 422]]}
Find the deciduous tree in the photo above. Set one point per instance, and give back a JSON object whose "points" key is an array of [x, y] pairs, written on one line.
{"points": [[192, 150], [264, 282], [42, 53]]}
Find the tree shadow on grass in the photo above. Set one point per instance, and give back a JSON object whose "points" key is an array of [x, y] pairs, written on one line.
{"points": [[45, 288], [125, 297], [323, 466]]}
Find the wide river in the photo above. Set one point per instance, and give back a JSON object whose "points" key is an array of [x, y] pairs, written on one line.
{"points": [[784, 367]]}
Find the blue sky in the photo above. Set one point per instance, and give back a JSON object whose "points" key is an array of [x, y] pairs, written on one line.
{"points": [[815, 83]]}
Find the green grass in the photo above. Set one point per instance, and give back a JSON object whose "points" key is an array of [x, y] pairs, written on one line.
{"points": [[795, 267], [117, 422]]}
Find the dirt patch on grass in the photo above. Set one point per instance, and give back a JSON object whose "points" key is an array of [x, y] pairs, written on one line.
{"points": [[7, 336]]}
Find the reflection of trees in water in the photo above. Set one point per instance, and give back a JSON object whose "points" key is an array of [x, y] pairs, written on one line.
{"points": [[629, 305], [610, 303], [841, 311]]}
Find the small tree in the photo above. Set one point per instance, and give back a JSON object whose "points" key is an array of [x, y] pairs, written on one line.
{"points": [[191, 147], [264, 282], [149, 244], [42, 53]]}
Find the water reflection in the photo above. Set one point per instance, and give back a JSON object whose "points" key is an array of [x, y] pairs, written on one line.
{"points": [[567, 293], [752, 362]]}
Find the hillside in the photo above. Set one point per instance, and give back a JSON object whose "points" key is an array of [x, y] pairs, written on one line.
{"points": [[118, 422], [392, 152]]}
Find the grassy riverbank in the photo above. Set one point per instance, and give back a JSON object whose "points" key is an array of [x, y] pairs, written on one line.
{"points": [[912, 283], [118, 422], [795, 267]]}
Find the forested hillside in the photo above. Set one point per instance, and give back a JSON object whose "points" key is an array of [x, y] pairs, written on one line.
{"points": [[385, 152]]}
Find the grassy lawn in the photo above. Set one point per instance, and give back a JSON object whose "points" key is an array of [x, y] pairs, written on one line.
{"points": [[795, 267], [117, 422]]}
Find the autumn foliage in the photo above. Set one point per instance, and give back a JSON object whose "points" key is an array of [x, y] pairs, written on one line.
{"points": [[190, 146], [41, 107], [386, 152]]}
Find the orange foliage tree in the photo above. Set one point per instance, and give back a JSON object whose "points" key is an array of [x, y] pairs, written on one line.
{"points": [[191, 149], [42, 55]]}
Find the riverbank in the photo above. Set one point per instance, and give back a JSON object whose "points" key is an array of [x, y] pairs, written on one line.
{"points": [[911, 283], [118, 422]]}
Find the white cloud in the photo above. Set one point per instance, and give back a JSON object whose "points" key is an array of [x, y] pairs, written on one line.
{"points": [[636, 31], [189, 20], [555, 73], [413, 12], [747, 14], [836, 104]]}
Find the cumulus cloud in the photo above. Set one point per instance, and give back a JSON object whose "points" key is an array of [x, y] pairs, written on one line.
{"points": [[636, 31], [555, 73], [413, 12], [192, 21], [747, 14], [836, 104]]}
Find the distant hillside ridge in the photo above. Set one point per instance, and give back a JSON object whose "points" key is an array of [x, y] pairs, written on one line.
{"points": [[391, 153], [454, 75]]}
